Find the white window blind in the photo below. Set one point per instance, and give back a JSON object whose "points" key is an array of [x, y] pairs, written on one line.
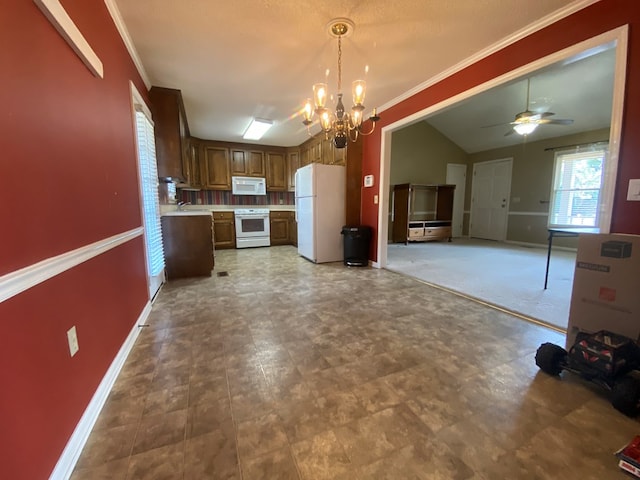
{"points": [[150, 200], [577, 180]]}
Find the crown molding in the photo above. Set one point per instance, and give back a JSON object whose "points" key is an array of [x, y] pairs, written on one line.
{"points": [[126, 38]]}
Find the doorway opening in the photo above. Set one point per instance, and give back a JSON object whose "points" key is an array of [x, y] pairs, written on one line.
{"points": [[527, 210]]}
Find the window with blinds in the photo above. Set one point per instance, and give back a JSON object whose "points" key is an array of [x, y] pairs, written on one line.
{"points": [[150, 200], [577, 181]]}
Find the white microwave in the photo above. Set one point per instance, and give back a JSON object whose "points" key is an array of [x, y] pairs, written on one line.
{"points": [[248, 186]]}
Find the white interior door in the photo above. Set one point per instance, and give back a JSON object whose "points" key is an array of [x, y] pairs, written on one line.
{"points": [[490, 189], [457, 175]]}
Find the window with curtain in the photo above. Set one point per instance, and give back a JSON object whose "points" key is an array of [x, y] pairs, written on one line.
{"points": [[577, 181], [150, 200]]}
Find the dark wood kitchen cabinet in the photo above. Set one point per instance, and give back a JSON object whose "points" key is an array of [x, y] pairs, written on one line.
{"points": [[248, 163], [215, 167], [293, 229], [276, 172], [191, 165], [224, 229], [279, 226], [284, 229], [171, 132], [188, 245], [293, 163]]}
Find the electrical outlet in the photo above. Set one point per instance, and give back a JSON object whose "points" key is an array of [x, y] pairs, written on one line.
{"points": [[72, 338]]}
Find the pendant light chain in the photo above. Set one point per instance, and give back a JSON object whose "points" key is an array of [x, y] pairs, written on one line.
{"points": [[339, 63]]}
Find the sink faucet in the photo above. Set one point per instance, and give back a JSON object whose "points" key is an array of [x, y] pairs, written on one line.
{"points": [[181, 205]]}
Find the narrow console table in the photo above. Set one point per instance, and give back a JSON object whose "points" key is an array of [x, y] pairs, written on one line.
{"points": [[563, 232]]}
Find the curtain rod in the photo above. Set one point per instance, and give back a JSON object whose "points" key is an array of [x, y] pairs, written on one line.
{"points": [[577, 145]]}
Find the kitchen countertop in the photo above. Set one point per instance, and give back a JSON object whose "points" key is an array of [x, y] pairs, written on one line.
{"points": [[207, 209], [185, 213]]}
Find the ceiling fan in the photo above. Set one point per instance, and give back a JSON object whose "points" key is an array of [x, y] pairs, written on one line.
{"points": [[526, 122]]}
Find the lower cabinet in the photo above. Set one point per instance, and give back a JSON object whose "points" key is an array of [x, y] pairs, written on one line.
{"points": [[283, 228], [293, 230], [224, 229], [188, 245]]}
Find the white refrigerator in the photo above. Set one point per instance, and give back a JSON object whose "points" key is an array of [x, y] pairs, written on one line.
{"points": [[320, 211]]}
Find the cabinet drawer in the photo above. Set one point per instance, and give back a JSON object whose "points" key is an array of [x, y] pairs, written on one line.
{"points": [[437, 232], [281, 214], [415, 232], [223, 215]]}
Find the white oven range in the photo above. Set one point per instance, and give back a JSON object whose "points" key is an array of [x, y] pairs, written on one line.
{"points": [[252, 227]]}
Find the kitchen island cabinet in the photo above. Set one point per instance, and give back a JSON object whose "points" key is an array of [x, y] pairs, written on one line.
{"points": [[187, 238]]}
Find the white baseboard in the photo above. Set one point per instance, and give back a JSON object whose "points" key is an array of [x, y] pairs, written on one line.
{"points": [[71, 453]]}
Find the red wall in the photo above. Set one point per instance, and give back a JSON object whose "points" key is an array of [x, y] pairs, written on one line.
{"points": [[69, 175], [594, 20]]}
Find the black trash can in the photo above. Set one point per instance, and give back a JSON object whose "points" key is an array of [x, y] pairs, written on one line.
{"points": [[356, 245]]}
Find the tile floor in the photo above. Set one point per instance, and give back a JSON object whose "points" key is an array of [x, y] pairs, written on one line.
{"points": [[290, 370]]}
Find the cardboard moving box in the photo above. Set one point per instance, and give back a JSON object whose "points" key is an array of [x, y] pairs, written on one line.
{"points": [[606, 286]]}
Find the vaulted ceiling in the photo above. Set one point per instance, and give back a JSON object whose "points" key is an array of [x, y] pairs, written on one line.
{"points": [[259, 58]]}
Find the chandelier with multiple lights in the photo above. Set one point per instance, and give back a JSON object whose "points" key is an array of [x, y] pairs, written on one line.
{"points": [[340, 125]]}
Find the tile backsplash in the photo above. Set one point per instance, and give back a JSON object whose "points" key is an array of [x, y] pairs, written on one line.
{"points": [[216, 197]]}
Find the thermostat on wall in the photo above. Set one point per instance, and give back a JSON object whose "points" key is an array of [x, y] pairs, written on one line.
{"points": [[368, 181]]}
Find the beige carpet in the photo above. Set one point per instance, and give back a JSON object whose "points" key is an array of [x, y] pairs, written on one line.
{"points": [[506, 275]]}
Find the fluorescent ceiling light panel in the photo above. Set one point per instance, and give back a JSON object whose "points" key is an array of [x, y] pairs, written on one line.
{"points": [[257, 129]]}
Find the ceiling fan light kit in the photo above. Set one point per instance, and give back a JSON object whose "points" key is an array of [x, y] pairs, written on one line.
{"points": [[340, 125], [527, 122], [525, 128]]}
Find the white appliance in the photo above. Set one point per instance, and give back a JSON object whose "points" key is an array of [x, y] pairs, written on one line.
{"points": [[252, 227], [248, 186], [320, 211]]}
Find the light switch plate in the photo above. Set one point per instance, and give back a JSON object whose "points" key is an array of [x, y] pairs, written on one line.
{"points": [[633, 194], [368, 181], [72, 338]]}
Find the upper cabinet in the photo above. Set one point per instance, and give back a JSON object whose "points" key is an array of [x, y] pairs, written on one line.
{"points": [[171, 132], [293, 163], [321, 150], [191, 165], [215, 167], [276, 172], [248, 163]]}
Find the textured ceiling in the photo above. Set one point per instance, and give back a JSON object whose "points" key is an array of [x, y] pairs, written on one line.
{"points": [[235, 60]]}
